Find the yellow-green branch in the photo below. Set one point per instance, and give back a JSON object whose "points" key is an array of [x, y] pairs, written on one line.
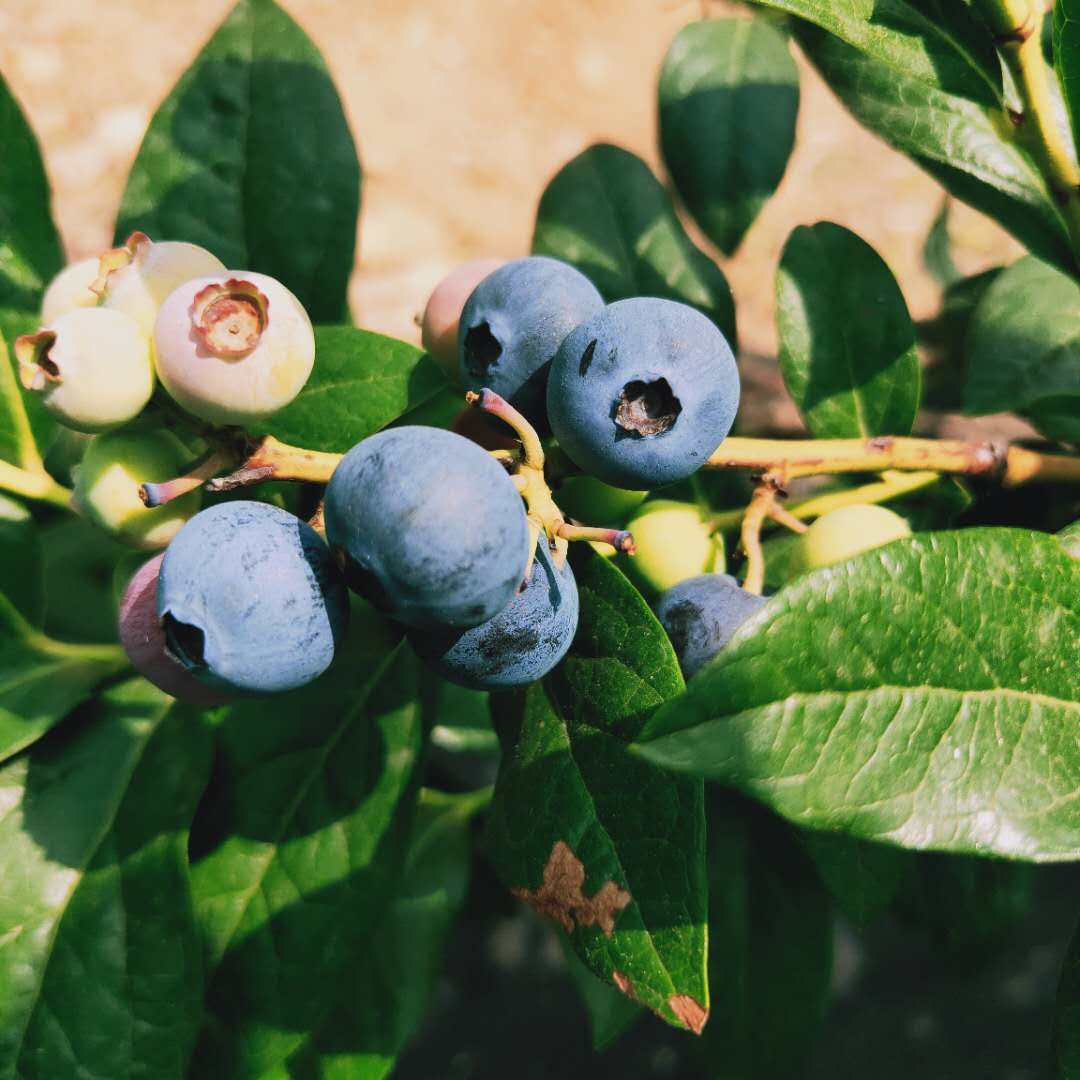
{"points": [[38, 486]]}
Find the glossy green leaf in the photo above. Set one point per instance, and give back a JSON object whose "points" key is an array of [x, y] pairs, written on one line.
{"points": [[605, 213], [100, 972], [42, 680], [925, 693], [954, 138], [361, 382], [936, 42], [1066, 57], [251, 156], [729, 96], [1067, 1018], [847, 343], [298, 848], [1070, 539], [30, 252], [1024, 349], [22, 581], [610, 847], [770, 946], [386, 995], [970, 906], [861, 876]]}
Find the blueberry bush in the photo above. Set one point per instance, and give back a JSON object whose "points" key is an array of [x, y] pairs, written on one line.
{"points": [[303, 628]]}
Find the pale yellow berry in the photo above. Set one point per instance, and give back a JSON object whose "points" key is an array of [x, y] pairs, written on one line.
{"points": [[674, 542], [848, 531], [70, 289]]}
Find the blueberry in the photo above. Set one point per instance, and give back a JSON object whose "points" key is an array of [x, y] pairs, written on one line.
{"points": [[701, 613], [519, 645], [143, 639], [512, 325], [70, 289], [643, 392], [250, 599], [674, 541], [432, 529]]}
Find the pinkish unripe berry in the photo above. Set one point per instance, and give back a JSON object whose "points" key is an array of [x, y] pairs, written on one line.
{"points": [[439, 328], [233, 348]]}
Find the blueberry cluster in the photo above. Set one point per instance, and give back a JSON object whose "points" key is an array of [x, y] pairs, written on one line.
{"points": [[453, 534]]}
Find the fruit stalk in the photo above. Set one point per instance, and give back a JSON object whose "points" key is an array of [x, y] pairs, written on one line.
{"points": [[39, 486], [761, 506]]}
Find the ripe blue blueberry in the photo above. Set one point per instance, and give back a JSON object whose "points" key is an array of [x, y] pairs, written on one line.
{"points": [[701, 613], [643, 392], [432, 529], [519, 645], [513, 323], [250, 599]]}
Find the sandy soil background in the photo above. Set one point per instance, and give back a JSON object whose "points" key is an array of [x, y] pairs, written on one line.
{"points": [[462, 112]]}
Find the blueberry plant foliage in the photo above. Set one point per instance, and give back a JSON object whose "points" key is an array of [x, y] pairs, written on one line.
{"points": [[264, 888]]}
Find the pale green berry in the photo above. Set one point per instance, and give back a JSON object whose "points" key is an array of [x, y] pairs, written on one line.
{"points": [[108, 483], [439, 326], [70, 289], [848, 531], [137, 277], [674, 542], [233, 348], [91, 366], [592, 502]]}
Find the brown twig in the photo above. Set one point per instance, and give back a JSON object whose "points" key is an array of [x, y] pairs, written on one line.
{"points": [[761, 504]]}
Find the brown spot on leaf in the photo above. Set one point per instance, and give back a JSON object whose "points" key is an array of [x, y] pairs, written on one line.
{"points": [[624, 984], [689, 1012], [560, 896]]}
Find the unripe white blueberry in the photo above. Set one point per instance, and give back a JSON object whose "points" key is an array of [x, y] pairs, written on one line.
{"points": [[113, 470], [233, 348], [137, 277], [70, 289], [439, 327], [91, 366]]}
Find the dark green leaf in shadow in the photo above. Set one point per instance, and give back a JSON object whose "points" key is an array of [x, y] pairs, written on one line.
{"points": [[729, 97], [251, 156], [605, 213], [298, 847], [1067, 1018], [100, 970], [925, 693], [847, 343], [1023, 350], [22, 579]]}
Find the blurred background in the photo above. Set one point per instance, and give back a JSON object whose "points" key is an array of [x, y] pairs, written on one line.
{"points": [[463, 111]]}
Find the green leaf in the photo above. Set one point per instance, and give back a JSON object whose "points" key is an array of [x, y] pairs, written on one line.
{"points": [[299, 845], [609, 846], [1070, 539], [251, 156], [24, 423], [924, 694], [361, 382], [100, 972], [611, 1013], [22, 580], [1067, 1018], [954, 138], [1024, 349], [770, 945], [729, 96], [937, 253], [1066, 58], [42, 680], [969, 905], [862, 877], [935, 42], [30, 252], [462, 720], [387, 994], [847, 343], [605, 213]]}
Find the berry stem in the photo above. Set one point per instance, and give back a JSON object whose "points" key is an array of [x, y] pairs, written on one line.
{"points": [[782, 516], [39, 486], [761, 506], [270, 459], [619, 539], [490, 402], [161, 493], [790, 459]]}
